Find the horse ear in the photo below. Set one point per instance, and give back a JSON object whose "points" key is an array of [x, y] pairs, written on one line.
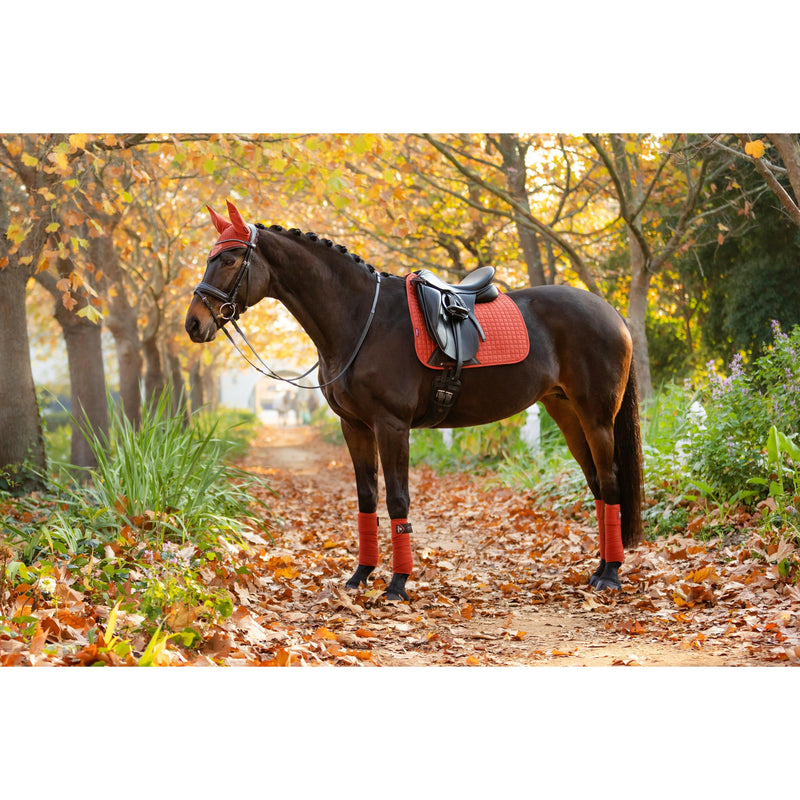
{"points": [[239, 224], [220, 223]]}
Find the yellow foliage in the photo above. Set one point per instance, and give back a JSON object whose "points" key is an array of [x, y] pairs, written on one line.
{"points": [[755, 149], [78, 140]]}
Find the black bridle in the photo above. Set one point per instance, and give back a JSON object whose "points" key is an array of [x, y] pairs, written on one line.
{"points": [[229, 299], [229, 312]]}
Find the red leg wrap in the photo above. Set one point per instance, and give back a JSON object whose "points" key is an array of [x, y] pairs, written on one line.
{"points": [[368, 539], [614, 551], [402, 558], [601, 526]]}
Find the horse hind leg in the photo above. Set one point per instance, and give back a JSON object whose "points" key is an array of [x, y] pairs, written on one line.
{"points": [[600, 439], [601, 483]]}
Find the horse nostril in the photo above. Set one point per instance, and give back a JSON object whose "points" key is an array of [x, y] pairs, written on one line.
{"points": [[192, 326]]}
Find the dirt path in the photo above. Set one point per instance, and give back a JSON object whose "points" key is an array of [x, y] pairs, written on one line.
{"points": [[499, 580]]}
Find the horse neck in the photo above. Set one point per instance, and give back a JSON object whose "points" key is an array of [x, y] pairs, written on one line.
{"points": [[326, 292]]}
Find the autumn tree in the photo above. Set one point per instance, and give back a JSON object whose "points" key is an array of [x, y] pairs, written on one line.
{"points": [[22, 453], [548, 203]]}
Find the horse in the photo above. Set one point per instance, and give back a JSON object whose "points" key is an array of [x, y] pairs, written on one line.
{"points": [[579, 366]]}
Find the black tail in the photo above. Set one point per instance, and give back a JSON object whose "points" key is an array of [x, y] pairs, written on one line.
{"points": [[628, 455]]}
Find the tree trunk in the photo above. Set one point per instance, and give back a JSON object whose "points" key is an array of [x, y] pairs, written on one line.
{"points": [[124, 328], [155, 381], [196, 398], [21, 440], [211, 382], [87, 381], [788, 147], [515, 170], [179, 400]]}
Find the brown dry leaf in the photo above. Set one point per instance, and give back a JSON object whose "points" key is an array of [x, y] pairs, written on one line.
{"points": [[699, 575], [180, 616], [626, 662]]}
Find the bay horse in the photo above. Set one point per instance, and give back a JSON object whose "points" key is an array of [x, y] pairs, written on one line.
{"points": [[579, 365]]}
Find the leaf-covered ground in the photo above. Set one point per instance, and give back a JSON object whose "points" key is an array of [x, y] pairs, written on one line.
{"points": [[501, 580]]}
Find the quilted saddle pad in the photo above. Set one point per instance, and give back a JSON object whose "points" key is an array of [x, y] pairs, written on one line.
{"points": [[506, 335]]}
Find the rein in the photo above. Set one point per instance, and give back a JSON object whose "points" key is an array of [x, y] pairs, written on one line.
{"points": [[229, 300]]}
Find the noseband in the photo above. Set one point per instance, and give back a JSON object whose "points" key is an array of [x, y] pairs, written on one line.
{"points": [[229, 302], [228, 311]]}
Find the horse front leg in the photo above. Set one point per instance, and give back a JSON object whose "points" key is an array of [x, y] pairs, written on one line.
{"points": [[363, 449], [393, 448]]}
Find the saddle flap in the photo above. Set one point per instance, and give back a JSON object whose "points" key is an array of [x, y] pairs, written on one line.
{"points": [[430, 301], [450, 319]]}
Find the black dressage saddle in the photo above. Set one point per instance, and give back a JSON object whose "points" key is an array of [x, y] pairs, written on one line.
{"points": [[449, 312]]}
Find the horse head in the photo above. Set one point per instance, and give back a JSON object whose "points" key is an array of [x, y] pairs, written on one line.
{"points": [[225, 290]]}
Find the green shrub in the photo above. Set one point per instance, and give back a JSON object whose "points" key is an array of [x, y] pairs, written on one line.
{"points": [[328, 425], [741, 408]]}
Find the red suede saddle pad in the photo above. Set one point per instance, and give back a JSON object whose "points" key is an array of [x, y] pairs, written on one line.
{"points": [[501, 320]]}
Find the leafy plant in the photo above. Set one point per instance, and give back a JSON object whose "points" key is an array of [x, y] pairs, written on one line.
{"points": [[173, 480], [145, 532], [783, 483], [741, 408], [235, 426]]}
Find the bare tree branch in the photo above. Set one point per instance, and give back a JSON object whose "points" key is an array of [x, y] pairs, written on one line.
{"points": [[538, 225]]}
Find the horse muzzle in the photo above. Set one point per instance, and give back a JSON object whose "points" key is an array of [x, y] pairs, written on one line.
{"points": [[200, 324]]}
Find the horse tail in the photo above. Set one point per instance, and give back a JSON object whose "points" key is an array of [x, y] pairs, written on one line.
{"points": [[628, 456]]}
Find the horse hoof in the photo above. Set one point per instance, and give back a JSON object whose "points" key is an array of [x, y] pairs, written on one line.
{"points": [[595, 576], [601, 584], [606, 576], [359, 577], [396, 590]]}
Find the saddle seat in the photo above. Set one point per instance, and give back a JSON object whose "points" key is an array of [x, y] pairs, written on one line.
{"points": [[477, 282]]}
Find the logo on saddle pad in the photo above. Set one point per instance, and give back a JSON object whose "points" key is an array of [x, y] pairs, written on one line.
{"points": [[500, 332]]}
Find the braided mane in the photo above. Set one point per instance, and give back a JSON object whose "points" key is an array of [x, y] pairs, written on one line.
{"points": [[313, 237]]}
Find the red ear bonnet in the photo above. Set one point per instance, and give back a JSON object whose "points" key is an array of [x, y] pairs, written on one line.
{"points": [[235, 233]]}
